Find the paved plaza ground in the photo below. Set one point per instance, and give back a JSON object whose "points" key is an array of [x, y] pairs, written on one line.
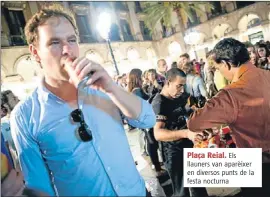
{"points": [[152, 183]]}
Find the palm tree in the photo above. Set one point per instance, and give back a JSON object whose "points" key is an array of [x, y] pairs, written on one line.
{"points": [[157, 11], [162, 11]]}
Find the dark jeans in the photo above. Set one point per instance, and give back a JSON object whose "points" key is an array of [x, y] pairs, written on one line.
{"points": [[174, 166], [152, 149], [263, 191]]}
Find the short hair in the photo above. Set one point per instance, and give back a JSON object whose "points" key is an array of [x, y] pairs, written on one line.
{"points": [[173, 73], [160, 61], [46, 12], [5, 99], [153, 71], [4, 96], [232, 51], [174, 65], [185, 55], [188, 67]]}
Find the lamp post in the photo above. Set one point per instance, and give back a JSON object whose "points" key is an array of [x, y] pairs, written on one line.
{"points": [[104, 26]]}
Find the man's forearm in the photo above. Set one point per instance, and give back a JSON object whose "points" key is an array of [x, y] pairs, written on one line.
{"points": [[219, 110], [129, 104], [168, 135]]}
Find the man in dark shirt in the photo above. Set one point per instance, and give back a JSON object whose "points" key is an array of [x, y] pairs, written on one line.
{"points": [[170, 108]]}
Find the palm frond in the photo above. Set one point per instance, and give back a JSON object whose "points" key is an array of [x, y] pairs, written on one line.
{"points": [[187, 11], [197, 8], [155, 11]]}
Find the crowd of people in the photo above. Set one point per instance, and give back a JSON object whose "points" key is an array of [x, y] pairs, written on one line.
{"points": [[68, 138]]}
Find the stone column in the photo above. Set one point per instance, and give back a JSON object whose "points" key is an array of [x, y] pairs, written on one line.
{"points": [[134, 20]]}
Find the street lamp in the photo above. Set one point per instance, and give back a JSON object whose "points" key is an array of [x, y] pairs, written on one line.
{"points": [[104, 26]]}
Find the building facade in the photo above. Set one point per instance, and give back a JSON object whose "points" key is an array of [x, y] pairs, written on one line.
{"points": [[132, 43]]}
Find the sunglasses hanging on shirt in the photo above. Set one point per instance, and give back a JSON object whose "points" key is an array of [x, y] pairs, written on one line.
{"points": [[82, 132]]}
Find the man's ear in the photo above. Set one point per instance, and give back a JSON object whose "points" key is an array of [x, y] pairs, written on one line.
{"points": [[34, 53]]}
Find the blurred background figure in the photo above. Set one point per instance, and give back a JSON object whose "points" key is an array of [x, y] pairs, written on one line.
{"points": [[195, 86], [183, 59], [162, 68], [8, 102], [252, 53], [263, 54], [209, 72], [153, 87], [134, 85], [145, 80], [12, 180], [124, 80], [174, 65]]}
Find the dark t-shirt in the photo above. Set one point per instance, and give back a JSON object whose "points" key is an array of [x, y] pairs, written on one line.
{"points": [[174, 114]]}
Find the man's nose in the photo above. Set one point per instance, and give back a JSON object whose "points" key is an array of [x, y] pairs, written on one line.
{"points": [[182, 90], [67, 49]]}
